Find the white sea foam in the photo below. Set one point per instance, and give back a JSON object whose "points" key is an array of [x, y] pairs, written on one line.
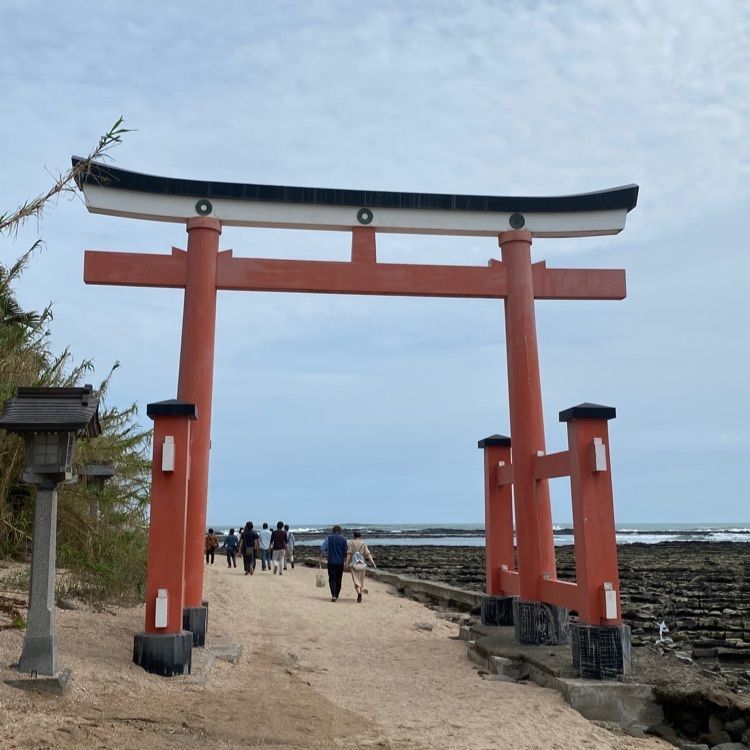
{"points": [[472, 535]]}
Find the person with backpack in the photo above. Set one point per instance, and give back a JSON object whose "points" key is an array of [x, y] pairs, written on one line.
{"points": [[210, 546], [231, 543], [357, 555]]}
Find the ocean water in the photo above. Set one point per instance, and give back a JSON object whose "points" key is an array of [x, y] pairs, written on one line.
{"points": [[472, 535]]}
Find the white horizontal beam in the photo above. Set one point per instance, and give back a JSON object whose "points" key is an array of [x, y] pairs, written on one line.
{"points": [[240, 213]]}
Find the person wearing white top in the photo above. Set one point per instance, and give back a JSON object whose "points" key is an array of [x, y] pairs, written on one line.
{"points": [[289, 557], [265, 547], [357, 556]]}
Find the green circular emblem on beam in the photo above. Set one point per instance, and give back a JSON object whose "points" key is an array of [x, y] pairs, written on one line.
{"points": [[517, 221], [203, 207], [364, 216]]}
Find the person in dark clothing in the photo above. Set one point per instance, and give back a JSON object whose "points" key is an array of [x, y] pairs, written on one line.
{"points": [[210, 546], [231, 543], [278, 548], [248, 548], [334, 546]]}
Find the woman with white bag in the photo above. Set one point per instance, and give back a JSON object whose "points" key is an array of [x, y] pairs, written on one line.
{"points": [[357, 555]]}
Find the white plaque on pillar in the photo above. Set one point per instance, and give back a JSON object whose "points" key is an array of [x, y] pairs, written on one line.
{"points": [[610, 602], [167, 455], [160, 616], [599, 455]]}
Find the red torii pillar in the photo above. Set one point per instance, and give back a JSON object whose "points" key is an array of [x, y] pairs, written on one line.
{"points": [[514, 484], [195, 385], [195, 271], [536, 545], [539, 609], [499, 548], [165, 647]]}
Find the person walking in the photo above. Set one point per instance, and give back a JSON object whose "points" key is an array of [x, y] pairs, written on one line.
{"points": [[231, 543], [289, 557], [334, 547], [278, 548], [248, 547], [265, 543], [357, 555], [210, 546]]}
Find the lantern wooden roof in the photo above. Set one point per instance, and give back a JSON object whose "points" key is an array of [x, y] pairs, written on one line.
{"points": [[103, 471], [52, 410]]}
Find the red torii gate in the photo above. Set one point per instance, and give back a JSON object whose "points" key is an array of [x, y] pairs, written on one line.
{"points": [[203, 269]]}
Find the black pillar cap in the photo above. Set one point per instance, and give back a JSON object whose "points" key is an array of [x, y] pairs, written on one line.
{"points": [[172, 408], [494, 440], [588, 411]]}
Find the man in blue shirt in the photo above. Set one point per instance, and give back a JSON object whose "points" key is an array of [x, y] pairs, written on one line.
{"points": [[334, 546], [231, 543]]}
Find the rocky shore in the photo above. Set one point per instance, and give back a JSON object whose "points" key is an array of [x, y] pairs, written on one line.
{"points": [[700, 590]]}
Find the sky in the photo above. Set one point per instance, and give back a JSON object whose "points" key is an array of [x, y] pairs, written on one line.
{"points": [[336, 408]]}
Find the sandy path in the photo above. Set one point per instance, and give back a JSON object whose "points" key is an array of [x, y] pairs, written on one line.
{"points": [[313, 674], [417, 686]]}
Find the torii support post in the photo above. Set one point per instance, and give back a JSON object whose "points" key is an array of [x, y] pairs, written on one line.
{"points": [[164, 647], [497, 605], [535, 620], [601, 643], [196, 386]]}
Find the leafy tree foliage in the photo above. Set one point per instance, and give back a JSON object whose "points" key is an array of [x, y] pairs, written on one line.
{"points": [[101, 529]]}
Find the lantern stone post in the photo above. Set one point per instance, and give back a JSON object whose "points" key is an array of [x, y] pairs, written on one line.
{"points": [[40, 643]]}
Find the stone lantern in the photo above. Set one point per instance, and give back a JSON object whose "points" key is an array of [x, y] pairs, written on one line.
{"points": [[96, 475], [49, 420]]}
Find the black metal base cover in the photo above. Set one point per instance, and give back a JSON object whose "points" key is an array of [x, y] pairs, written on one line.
{"points": [[195, 619], [497, 610], [540, 624], [600, 652], [167, 654]]}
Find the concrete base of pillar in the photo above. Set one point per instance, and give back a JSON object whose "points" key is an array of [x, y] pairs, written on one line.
{"points": [[195, 619], [540, 624], [39, 655], [600, 652], [167, 654], [497, 610], [55, 685]]}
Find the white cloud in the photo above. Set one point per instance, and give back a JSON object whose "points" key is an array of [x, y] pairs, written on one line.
{"points": [[475, 97]]}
